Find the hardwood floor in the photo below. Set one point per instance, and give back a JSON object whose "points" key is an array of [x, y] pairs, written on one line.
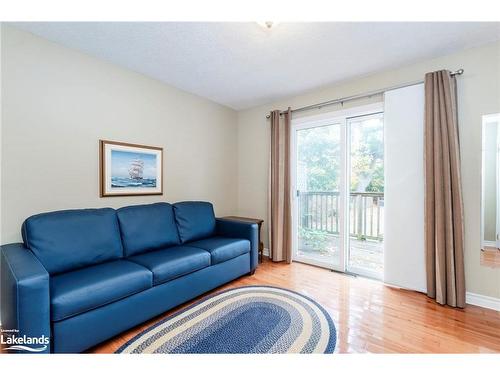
{"points": [[490, 257], [371, 317]]}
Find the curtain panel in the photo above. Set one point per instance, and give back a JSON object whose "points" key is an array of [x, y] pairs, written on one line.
{"points": [[280, 212], [444, 227]]}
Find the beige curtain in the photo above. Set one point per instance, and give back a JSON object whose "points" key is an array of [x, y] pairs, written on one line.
{"points": [[444, 228], [280, 213]]}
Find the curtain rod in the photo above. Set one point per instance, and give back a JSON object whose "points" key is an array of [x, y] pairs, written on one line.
{"points": [[360, 96]]}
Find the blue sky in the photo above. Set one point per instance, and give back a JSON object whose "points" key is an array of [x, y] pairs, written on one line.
{"points": [[120, 163]]}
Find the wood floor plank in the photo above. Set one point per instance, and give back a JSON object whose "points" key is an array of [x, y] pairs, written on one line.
{"points": [[369, 316], [490, 257]]}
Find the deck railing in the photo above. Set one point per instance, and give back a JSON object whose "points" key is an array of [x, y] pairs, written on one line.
{"points": [[319, 210]]}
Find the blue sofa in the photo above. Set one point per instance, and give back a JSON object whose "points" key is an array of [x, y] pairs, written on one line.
{"points": [[83, 276]]}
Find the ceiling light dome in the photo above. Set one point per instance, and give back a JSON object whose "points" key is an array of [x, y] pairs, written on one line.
{"points": [[268, 25]]}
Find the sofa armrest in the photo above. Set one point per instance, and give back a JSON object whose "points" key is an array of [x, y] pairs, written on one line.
{"points": [[239, 229], [24, 297]]}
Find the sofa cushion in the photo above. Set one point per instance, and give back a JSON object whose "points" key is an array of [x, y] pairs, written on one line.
{"points": [[195, 220], [82, 290], [222, 248], [168, 264], [147, 227], [71, 239]]}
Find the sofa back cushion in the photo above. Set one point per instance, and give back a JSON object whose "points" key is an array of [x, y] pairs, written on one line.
{"points": [[195, 220], [71, 239], [147, 227]]}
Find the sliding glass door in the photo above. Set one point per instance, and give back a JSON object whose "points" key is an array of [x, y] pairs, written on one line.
{"points": [[318, 176], [338, 191], [366, 195]]}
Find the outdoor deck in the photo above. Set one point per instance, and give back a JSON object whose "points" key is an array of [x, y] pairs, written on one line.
{"points": [[365, 255], [319, 228]]}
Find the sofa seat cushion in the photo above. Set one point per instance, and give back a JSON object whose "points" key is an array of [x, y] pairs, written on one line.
{"points": [[75, 292], [223, 248], [173, 262]]}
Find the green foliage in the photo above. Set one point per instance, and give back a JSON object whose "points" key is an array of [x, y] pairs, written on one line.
{"points": [[320, 151], [361, 237], [319, 155], [315, 239], [367, 156]]}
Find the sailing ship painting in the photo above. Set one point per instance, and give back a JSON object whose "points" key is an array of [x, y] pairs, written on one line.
{"points": [[136, 170], [131, 169]]}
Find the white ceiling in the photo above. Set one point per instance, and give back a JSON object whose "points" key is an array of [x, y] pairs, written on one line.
{"points": [[241, 65]]}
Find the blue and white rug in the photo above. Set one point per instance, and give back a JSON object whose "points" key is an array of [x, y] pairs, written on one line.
{"points": [[254, 319]]}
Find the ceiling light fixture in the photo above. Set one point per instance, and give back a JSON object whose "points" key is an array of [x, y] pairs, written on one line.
{"points": [[268, 25]]}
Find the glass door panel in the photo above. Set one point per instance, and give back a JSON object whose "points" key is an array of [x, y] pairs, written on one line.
{"points": [[366, 195], [318, 201]]}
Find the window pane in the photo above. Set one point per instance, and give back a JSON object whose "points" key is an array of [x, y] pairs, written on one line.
{"points": [[366, 201], [318, 184]]}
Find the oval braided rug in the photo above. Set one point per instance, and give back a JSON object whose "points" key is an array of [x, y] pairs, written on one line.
{"points": [[254, 319]]}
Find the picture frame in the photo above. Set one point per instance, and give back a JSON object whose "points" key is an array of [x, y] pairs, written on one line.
{"points": [[127, 169]]}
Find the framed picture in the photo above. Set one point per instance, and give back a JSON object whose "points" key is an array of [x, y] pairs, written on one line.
{"points": [[129, 169]]}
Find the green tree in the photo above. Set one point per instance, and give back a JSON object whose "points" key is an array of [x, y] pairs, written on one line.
{"points": [[319, 154], [367, 156]]}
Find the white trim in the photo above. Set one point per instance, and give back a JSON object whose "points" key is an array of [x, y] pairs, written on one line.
{"points": [[483, 158], [340, 118], [470, 298], [412, 288], [497, 180], [486, 119], [363, 272], [326, 118], [347, 191], [316, 263], [482, 301], [489, 244], [492, 117]]}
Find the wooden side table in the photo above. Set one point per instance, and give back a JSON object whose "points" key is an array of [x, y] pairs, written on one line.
{"points": [[251, 220]]}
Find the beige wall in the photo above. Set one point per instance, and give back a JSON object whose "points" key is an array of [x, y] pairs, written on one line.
{"points": [[478, 94], [57, 104]]}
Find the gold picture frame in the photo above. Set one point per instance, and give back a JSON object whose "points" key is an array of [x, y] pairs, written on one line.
{"points": [[128, 169]]}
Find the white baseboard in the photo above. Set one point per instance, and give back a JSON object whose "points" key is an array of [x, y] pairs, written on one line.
{"points": [[489, 244], [470, 298], [482, 301]]}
